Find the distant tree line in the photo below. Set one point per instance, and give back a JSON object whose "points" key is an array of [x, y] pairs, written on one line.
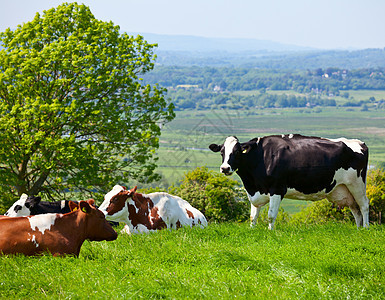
{"points": [[192, 99], [243, 79], [208, 87]]}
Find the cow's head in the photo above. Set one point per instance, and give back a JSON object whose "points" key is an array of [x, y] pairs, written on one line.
{"points": [[32, 203], [19, 208], [231, 152], [97, 228], [115, 205]]}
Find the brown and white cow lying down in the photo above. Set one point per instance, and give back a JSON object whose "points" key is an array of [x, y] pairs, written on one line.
{"points": [[59, 234], [145, 213]]}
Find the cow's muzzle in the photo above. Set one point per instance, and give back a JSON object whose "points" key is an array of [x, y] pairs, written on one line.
{"points": [[226, 170]]}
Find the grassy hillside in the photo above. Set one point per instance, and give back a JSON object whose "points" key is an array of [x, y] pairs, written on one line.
{"points": [[334, 261]]}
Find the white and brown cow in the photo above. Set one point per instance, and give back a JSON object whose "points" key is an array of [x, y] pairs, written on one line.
{"points": [[145, 213], [299, 167], [58, 234]]}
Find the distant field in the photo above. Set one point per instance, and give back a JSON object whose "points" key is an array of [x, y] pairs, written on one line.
{"points": [[184, 142]]}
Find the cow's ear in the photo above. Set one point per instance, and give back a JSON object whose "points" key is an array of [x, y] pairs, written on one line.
{"points": [[132, 191], [73, 206], [91, 202], [215, 147], [246, 148], [85, 207]]}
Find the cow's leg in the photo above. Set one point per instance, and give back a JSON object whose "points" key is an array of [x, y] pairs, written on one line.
{"points": [[254, 213], [257, 201], [342, 196], [358, 192], [275, 201], [357, 214]]}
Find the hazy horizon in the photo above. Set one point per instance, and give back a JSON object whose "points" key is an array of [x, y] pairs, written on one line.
{"points": [[321, 24]]}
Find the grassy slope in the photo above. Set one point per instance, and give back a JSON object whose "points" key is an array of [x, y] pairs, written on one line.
{"points": [[334, 261]]}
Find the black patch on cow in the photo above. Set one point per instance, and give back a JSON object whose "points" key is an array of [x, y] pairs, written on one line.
{"points": [[17, 208]]}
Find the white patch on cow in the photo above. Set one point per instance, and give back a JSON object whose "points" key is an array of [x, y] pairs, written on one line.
{"points": [[283, 135], [353, 144], [24, 211], [291, 136], [275, 201], [349, 178], [258, 199], [173, 209], [33, 240], [62, 204], [42, 222], [254, 213], [229, 144], [140, 228]]}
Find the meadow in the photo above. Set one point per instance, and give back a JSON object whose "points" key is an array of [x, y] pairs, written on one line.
{"points": [[228, 260], [222, 261]]}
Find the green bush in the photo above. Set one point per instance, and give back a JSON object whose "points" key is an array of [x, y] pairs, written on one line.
{"points": [[321, 212], [375, 190], [218, 197]]}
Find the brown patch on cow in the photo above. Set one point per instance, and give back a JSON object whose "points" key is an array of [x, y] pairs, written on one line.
{"points": [[178, 224], [117, 203], [143, 212], [190, 214], [157, 221]]}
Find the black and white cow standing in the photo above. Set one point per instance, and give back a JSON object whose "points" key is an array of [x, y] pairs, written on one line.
{"points": [[299, 167]]}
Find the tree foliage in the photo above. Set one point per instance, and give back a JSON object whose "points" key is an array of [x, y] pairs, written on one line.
{"points": [[218, 197], [74, 113]]}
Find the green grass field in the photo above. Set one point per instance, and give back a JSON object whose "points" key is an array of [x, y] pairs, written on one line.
{"points": [[332, 261], [222, 261]]}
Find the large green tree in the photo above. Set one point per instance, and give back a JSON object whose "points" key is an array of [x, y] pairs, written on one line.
{"points": [[74, 113]]}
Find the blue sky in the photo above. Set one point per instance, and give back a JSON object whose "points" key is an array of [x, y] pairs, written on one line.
{"points": [[324, 24]]}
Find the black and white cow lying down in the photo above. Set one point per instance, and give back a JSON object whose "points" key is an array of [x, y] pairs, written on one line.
{"points": [[31, 205], [299, 167]]}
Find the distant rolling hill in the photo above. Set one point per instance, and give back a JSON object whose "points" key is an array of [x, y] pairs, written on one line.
{"points": [[204, 44], [181, 50]]}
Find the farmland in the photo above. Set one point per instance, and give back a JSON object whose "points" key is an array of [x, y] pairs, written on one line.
{"points": [[333, 261]]}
